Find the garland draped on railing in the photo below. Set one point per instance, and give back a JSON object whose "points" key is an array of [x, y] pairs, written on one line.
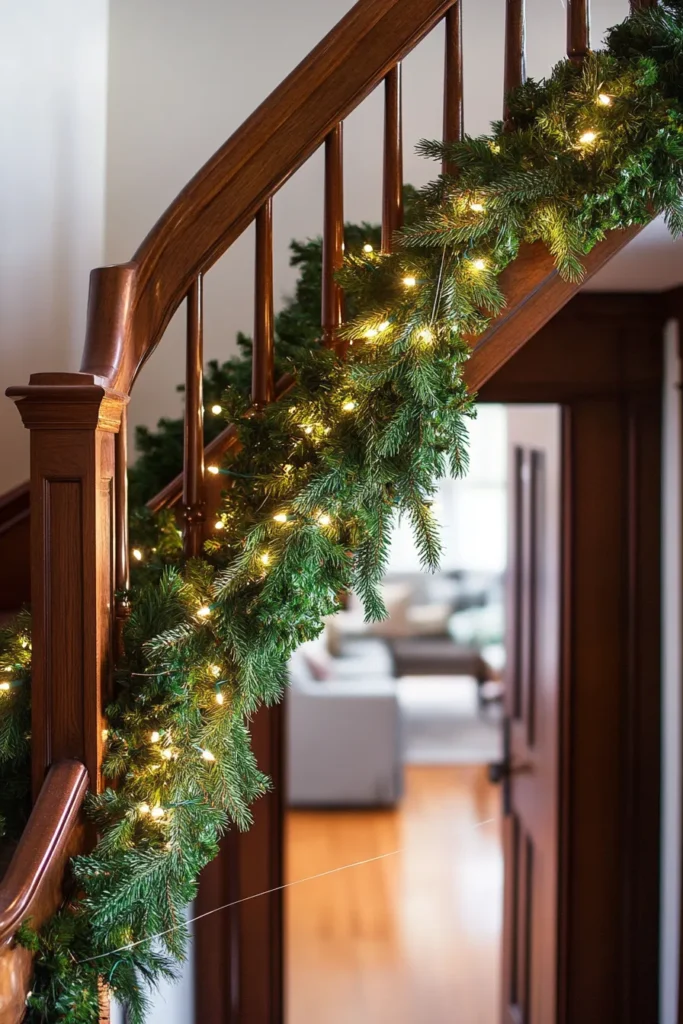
{"points": [[311, 497]]}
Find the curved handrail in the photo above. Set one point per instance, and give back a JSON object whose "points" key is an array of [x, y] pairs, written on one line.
{"points": [[35, 871], [130, 305]]}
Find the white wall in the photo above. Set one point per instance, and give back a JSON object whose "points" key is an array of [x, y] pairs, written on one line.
{"points": [[671, 680], [184, 76], [53, 80]]}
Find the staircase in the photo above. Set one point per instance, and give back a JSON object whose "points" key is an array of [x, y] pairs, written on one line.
{"points": [[77, 496]]}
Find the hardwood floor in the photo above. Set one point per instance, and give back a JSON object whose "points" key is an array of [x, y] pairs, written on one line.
{"points": [[413, 937]]}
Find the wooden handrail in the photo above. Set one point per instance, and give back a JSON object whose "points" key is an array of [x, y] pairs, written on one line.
{"points": [[130, 305], [32, 886]]}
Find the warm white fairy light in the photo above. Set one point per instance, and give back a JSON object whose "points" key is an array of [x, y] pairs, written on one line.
{"points": [[426, 335], [213, 469], [219, 525], [5, 686], [265, 558], [604, 100], [207, 755], [587, 138], [220, 699], [384, 326], [215, 671], [167, 753], [154, 737], [157, 812], [349, 406], [280, 517], [409, 281], [216, 409], [204, 611], [372, 332], [137, 554], [288, 468], [479, 264], [368, 248], [105, 735], [143, 808], [477, 207], [308, 429], [324, 519]]}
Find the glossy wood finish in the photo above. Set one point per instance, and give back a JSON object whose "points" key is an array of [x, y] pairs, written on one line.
{"points": [[32, 885], [332, 312], [515, 48], [263, 358], [392, 181], [194, 501], [15, 558], [73, 423], [600, 358], [414, 938], [122, 557], [578, 29], [224, 197], [530, 784], [453, 108]]}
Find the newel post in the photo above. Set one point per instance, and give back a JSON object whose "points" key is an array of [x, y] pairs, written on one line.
{"points": [[73, 422]]}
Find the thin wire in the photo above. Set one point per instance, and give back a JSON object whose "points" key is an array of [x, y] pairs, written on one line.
{"points": [[437, 291]]}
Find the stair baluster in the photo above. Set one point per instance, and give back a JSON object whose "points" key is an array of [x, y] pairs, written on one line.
{"points": [[392, 185], [194, 498], [578, 29], [121, 558], [515, 50], [333, 237], [453, 113], [263, 360]]}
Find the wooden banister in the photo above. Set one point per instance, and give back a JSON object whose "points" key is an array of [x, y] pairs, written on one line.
{"points": [[32, 885], [131, 305]]}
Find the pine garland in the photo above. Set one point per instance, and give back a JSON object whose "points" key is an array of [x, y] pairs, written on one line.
{"points": [[313, 493]]}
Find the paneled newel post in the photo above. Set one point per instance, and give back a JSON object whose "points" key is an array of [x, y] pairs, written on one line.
{"points": [[73, 422]]}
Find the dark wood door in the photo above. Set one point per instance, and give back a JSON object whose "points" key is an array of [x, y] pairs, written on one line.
{"points": [[529, 773]]}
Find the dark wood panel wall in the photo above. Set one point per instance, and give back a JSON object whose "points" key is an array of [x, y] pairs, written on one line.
{"points": [[601, 359]]}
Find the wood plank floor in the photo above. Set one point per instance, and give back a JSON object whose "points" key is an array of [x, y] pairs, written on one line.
{"points": [[410, 939]]}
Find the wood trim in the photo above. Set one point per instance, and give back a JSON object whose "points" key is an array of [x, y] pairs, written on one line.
{"points": [[605, 369], [32, 885]]}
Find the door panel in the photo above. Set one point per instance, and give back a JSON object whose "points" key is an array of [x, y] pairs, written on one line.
{"points": [[530, 771]]}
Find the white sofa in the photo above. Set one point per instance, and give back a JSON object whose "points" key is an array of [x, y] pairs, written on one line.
{"points": [[343, 736]]}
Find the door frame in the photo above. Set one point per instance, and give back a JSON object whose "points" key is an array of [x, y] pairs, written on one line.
{"points": [[600, 358]]}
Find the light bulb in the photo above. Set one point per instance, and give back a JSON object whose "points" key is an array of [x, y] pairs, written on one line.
{"points": [[288, 468], [479, 264], [137, 554], [5, 686], [215, 671], [477, 207], [204, 611], [308, 430], [143, 808], [157, 812], [494, 147], [384, 325], [604, 100], [349, 406], [220, 699], [219, 525], [213, 469], [154, 737], [426, 335], [216, 409], [265, 558], [167, 753], [280, 517], [105, 735], [367, 247], [409, 281], [587, 138], [207, 755], [324, 519], [372, 332]]}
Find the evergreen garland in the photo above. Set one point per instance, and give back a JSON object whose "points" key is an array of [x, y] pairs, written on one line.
{"points": [[312, 495]]}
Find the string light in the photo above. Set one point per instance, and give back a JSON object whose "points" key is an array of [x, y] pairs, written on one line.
{"points": [[5, 686], [409, 281], [308, 429], [207, 755], [213, 469], [157, 812], [479, 264], [604, 100], [587, 138], [105, 735], [288, 468], [167, 753], [324, 519], [216, 409], [219, 525], [426, 335], [368, 248], [494, 147], [143, 808], [137, 554], [154, 737], [215, 671], [371, 333], [265, 558], [384, 326], [220, 699], [349, 406], [280, 517], [477, 207], [204, 611]]}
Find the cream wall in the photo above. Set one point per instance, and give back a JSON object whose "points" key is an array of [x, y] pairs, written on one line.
{"points": [[184, 76], [53, 81]]}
